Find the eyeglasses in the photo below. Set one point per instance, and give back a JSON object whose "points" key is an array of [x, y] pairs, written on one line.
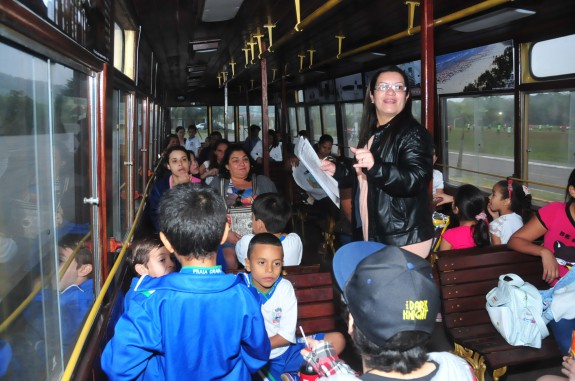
{"points": [[398, 87], [238, 201]]}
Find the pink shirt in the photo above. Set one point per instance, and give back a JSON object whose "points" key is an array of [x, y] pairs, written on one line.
{"points": [[193, 180], [460, 237], [560, 236]]}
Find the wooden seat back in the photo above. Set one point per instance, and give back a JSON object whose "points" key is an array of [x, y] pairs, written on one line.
{"points": [[315, 297], [465, 278]]}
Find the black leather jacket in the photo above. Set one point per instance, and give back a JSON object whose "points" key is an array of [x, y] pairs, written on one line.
{"points": [[398, 183]]}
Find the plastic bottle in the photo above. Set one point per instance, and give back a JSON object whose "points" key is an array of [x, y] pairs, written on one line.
{"points": [[307, 373]]}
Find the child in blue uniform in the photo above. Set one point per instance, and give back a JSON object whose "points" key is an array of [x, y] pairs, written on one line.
{"points": [[73, 293], [199, 323], [279, 307], [148, 257], [75, 289]]}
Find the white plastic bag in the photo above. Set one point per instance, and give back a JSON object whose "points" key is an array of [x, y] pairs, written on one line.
{"points": [[515, 308]]}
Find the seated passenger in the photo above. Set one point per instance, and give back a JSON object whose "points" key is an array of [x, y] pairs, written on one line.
{"points": [[473, 230], [390, 330], [200, 322], [271, 213], [279, 308], [178, 162], [555, 222], [239, 186], [211, 167], [180, 134], [169, 141], [194, 169], [193, 142], [509, 205], [437, 178], [148, 257], [275, 146]]}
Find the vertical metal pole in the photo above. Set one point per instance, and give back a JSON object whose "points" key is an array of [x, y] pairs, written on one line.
{"points": [[427, 66], [145, 141], [129, 166], [284, 111], [100, 236], [226, 110], [427, 70], [265, 143]]}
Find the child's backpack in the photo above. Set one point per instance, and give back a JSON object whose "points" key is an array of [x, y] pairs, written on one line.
{"points": [[515, 308]]}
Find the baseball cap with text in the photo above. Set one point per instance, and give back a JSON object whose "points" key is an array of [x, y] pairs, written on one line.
{"points": [[387, 289]]}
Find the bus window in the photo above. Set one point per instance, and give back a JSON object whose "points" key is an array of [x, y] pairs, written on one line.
{"points": [[479, 139], [553, 57], [272, 118], [218, 121], [351, 123], [243, 126], [550, 142], [45, 173], [121, 221], [300, 114], [329, 122], [292, 122], [416, 109], [315, 123]]}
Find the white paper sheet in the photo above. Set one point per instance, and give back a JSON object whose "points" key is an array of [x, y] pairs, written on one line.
{"points": [[318, 179]]}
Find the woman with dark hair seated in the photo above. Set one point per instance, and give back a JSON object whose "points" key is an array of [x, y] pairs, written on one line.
{"points": [[238, 186], [177, 161]]}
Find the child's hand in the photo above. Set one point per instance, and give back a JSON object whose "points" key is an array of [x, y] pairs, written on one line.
{"points": [[328, 167], [233, 238], [322, 357], [492, 213], [569, 368], [550, 268], [443, 198]]}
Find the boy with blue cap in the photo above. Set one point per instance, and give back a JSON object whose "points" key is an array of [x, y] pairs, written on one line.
{"points": [[392, 302]]}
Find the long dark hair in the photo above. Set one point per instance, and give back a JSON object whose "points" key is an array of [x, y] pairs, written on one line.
{"points": [[213, 159], [369, 117], [471, 202], [570, 183]]}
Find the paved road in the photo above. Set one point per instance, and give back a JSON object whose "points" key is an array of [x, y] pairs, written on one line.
{"points": [[503, 167]]}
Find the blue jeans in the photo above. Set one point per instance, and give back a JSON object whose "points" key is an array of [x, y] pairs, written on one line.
{"points": [[562, 331]]}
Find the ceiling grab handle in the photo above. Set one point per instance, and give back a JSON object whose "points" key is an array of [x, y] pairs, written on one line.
{"points": [[340, 38], [269, 26], [298, 16], [411, 4]]}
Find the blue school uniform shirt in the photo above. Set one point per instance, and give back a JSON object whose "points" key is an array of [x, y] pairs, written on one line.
{"points": [[198, 324], [75, 302]]}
